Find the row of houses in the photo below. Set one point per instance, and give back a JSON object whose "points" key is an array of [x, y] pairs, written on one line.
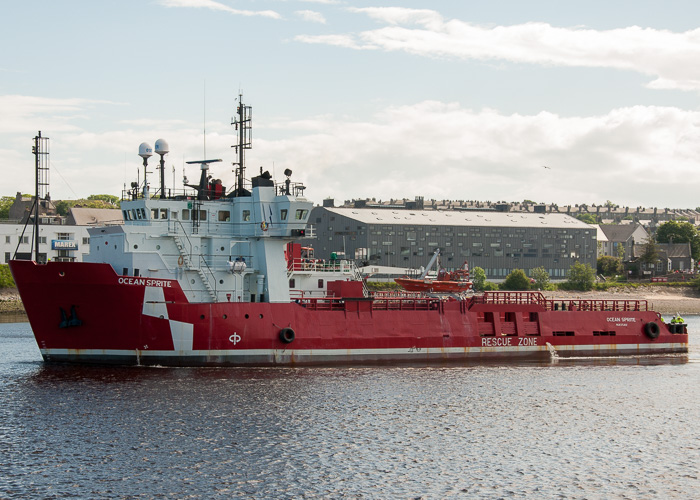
{"points": [[609, 213]]}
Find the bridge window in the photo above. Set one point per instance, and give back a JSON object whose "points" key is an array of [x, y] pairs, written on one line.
{"points": [[163, 213], [283, 214], [246, 215], [301, 214], [185, 214], [224, 216]]}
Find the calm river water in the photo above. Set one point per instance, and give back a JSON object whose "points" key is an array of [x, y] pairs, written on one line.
{"points": [[617, 428]]}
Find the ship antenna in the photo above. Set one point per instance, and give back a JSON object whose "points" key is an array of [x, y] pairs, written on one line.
{"points": [[204, 117], [243, 124]]}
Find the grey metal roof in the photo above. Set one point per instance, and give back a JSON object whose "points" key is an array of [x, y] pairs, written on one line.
{"points": [[460, 218], [84, 216], [619, 232], [672, 250]]}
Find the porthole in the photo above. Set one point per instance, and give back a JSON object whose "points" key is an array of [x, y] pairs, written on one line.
{"points": [[135, 247], [61, 274], [246, 316], [225, 316], [157, 247], [261, 316], [192, 281], [221, 282], [222, 249], [201, 316]]}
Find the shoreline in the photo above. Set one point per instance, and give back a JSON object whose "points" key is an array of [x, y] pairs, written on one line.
{"points": [[664, 300]]}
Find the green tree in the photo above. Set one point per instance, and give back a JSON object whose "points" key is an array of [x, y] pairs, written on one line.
{"points": [[108, 198], [620, 251], [609, 266], [680, 232], [651, 253], [478, 278], [581, 277], [587, 218], [516, 280], [64, 206], [541, 277], [5, 204], [6, 280]]}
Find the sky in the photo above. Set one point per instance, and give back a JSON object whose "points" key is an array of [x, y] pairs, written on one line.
{"points": [[554, 101]]}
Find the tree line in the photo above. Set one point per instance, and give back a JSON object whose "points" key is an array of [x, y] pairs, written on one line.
{"points": [[63, 206]]}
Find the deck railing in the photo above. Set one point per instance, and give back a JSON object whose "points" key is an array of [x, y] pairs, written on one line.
{"points": [[396, 304], [559, 304], [403, 301]]}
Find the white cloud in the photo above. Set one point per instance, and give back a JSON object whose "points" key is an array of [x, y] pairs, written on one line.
{"points": [[443, 151], [22, 114], [212, 5], [311, 16], [670, 58], [324, 2], [640, 155]]}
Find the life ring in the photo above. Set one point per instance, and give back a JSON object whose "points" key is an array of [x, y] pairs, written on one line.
{"points": [[180, 261], [652, 330], [263, 226], [286, 335]]}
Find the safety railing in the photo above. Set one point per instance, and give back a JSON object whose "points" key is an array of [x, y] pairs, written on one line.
{"points": [[621, 305], [389, 304]]}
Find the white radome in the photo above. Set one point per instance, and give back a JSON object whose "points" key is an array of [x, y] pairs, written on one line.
{"points": [[145, 150], [162, 147]]}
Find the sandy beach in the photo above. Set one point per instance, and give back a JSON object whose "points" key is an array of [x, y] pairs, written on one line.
{"points": [[665, 300]]}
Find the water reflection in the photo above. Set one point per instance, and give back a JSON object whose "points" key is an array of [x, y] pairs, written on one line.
{"points": [[595, 428]]}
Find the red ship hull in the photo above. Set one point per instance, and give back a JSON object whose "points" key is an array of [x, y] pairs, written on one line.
{"points": [[85, 312]]}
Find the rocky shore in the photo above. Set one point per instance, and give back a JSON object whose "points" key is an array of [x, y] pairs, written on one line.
{"points": [[665, 300], [10, 301]]}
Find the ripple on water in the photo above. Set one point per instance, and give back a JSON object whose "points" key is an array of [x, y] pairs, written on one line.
{"points": [[567, 430]]}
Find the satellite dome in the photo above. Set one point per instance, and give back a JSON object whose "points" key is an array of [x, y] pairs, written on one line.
{"points": [[145, 150], [162, 147]]}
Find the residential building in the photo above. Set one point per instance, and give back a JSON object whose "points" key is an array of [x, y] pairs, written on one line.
{"points": [[621, 238], [60, 238]]}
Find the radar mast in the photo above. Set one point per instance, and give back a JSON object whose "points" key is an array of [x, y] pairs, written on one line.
{"points": [[243, 124]]}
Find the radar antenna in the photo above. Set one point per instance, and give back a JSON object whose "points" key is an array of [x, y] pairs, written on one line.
{"points": [[243, 124]]}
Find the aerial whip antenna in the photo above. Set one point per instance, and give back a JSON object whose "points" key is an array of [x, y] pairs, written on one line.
{"points": [[204, 114]]}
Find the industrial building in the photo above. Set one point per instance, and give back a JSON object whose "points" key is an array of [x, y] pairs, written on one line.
{"points": [[498, 242]]}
